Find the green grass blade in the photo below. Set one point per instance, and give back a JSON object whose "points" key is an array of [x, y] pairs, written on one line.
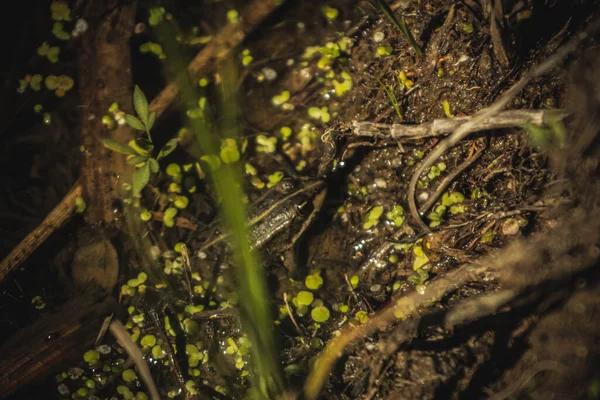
{"points": [[400, 25]]}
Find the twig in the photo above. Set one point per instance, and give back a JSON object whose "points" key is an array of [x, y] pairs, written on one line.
{"points": [[448, 179], [188, 271], [485, 114], [546, 365], [57, 217], [445, 126], [119, 332], [289, 311]]}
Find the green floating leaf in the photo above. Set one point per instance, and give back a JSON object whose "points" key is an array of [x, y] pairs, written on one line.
{"points": [[167, 148], [60, 11], [58, 31], [51, 82], [65, 82], [320, 314], [134, 122], [118, 147], [35, 82], [156, 15], [141, 176], [80, 205], [140, 103], [230, 155]]}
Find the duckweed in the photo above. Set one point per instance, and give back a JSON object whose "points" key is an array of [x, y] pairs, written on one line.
{"points": [[266, 144], [313, 281], [372, 217], [420, 258], [229, 152], [329, 12], [173, 170], [361, 316], [158, 352], [80, 205], [321, 114], [91, 356], [129, 375], [404, 80], [156, 15], [246, 57], [344, 85], [233, 16], [145, 215], [60, 11], [148, 341], [320, 314], [396, 215], [181, 202], [281, 98], [285, 132], [169, 216], [274, 178], [153, 48], [305, 298], [383, 51]]}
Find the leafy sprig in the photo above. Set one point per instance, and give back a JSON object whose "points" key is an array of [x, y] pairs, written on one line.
{"points": [[139, 151]]}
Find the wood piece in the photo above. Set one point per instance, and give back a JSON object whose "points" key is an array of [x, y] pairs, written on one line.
{"points": [[57, 217]]}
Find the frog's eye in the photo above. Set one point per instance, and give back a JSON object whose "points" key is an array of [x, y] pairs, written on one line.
{"points": [[305, 208]]}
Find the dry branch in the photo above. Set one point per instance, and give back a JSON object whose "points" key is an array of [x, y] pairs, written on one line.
{"points": [[445, 126], [57, 217]]}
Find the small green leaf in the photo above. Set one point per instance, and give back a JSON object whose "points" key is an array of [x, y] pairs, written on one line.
{"points": [[153, 165], [118, 147], [151, 119], [137, 160], [320, 314], [167, 148], [51, 82], [134, 122], [230, 155], [35, 82], [140, 103], [141, 176], [144, 144]]}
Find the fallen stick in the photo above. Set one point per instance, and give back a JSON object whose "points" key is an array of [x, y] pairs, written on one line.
{"points": [[57, 217], [445, 126]]}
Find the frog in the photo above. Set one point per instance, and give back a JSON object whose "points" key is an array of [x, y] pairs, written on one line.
{"points": [[276, 222]]}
